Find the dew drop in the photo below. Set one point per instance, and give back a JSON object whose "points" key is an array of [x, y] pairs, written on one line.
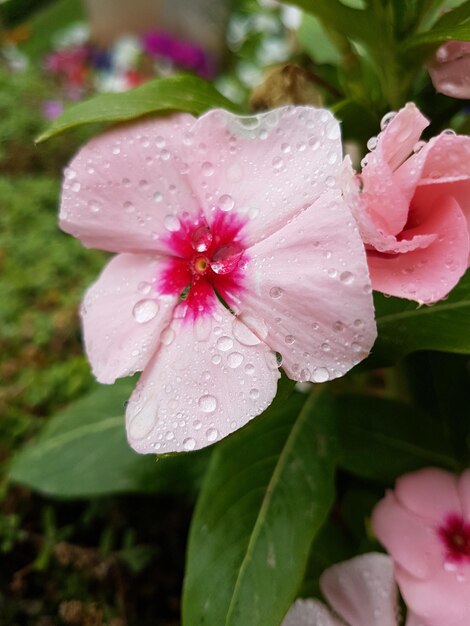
{"points": [[234, 360], [226, 203], [338, 326], [167, 336], [157, 196], [289, 339], [304, 375], [216, 359], [254, 394], [372, 143], [387, 118], [145, 310], [226, 258], [144, 287], [165, 155], [347, 278], [249, 369], [76, 187], [189, 444], [277, 163], [172, 223], [212, 434], [207, 403], [197, 424], [224, 343], [243, 334], [94, 206], [128, 207], [275, 292], [207, 168], [201, 238], [320, 375]]}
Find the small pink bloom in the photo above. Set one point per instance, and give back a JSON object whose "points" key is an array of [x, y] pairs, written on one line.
{"points": [[413, 208], [450, 69], [425, 526], [233, 244], [361, 591]]}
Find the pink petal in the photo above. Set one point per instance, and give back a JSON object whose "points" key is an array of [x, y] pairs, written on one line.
{"points": [[123, 316], [447, 159], [411, 540], [464, 493], [386, 202], [450, 69], [430, 493], [122, 186], [414, 620], [426, 274], [442, 601], [308, 294], [309, 613], [401, 135], [268, 167], [362, 590], [208, 379]]}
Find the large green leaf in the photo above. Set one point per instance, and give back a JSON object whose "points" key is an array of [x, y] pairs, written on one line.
{"points": [[405, 327], [452, 25], [175, 93], [381, 439], [266, 494], [83, 452]]}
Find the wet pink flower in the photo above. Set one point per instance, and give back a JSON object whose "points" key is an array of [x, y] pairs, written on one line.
{"points": [[235, 250], [413, 208], [425, 526], [450, 69], [361, 592]]}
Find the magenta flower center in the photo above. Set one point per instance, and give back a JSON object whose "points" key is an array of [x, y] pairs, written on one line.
{"points": [[455, 534], [206, 260]]}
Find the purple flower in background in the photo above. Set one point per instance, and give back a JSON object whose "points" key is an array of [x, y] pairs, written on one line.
{"points": [[52, 109], [185, 54]]}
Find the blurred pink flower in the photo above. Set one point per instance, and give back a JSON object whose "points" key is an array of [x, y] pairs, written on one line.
{"points": [[413, 207], [425, 526], [234, 244], [450, 69], [361, 591]]}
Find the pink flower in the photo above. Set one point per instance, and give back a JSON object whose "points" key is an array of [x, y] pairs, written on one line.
{"points": [[413, 208], [361, 591], [425, 526], [233, 244], [450, 69]]}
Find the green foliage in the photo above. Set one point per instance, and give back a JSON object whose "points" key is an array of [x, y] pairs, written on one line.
{"points": [[83, 452], [405, 327], [248, 540], [176, 93]]}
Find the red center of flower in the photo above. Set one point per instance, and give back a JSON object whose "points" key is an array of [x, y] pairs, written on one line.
{"points": [[206, 259], [455, 534]]}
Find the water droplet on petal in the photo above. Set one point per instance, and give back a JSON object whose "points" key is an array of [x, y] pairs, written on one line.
{"points": [[320, 375], [94, 206], [289, 339], [207, 168], [254, 394], [234, 359], [387, 118], [207, 403], [172, 223], [216, 359], [372, 143], [201, 238], [167, 336], [224, 343], [277, 163], [226, 203], [226, 258], [275, 292], [212, 434], [347, 278], [157, 196], [144, 287], [189, 444], [243, 334], [145, 310]]}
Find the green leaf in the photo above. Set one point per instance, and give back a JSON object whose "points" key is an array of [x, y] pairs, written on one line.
{"points": [[83, 452], [315, 41], [175, 93], [453, 25], [405, 327], [381, 439], [266, 494]]}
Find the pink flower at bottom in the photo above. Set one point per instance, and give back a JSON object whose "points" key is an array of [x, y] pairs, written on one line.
{"points": [[450, 69], [414, 208], [235, 248], [361, 591], [425, 526]]}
